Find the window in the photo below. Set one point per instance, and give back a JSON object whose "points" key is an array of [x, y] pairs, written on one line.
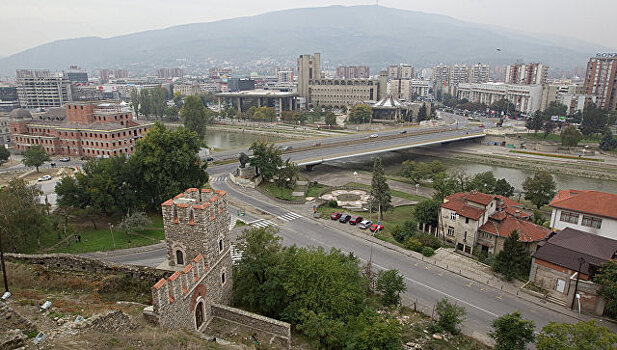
{"points": [[465, 237], [466, 220], [179, 257], [590, 221], [453, 216], [223, 278], [467, 249], [450, 231], [220, 245], [569, 217]]}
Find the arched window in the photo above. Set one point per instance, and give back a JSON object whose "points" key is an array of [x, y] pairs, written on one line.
{"points": [[179, 257], [199, 314], [220, 245], [223, 277], [175, 213]]}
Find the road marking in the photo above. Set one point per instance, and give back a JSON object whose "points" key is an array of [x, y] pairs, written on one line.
{"points": [[469, 284], [261, 223], [499, 297], [236, 255], [290, 216], [218, 179]]}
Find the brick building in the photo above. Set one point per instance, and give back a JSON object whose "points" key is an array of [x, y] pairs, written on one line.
{"points": [[90, 129]]}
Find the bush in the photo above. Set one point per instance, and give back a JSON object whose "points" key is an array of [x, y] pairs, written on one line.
{"points": [[332, 203], [413, 244], [450, 315], [429, 240], [428, 251]]}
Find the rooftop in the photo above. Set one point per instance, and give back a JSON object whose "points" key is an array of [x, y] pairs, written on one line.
{"points": [[504, 225], [257, 93], [590, 202]]}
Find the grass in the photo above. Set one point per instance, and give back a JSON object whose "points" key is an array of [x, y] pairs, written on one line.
{"points": [[314, 188], [557, 155], [239, 223], [555, 138], [395, 193], [279, 192], [101, 239]]}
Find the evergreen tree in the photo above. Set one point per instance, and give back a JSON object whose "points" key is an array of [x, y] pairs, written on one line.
{"points": [[381, 198], [4, 154], [193, 115], [422, 113], [513, 260]]}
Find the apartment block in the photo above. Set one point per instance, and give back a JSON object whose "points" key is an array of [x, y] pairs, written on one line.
{"points": [[402, 71], [601, 80], [42, 89], [527, 74], [353, 72]]}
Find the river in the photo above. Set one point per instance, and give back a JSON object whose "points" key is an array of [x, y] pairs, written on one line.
{"points": [[392, 165], [225, 140]]}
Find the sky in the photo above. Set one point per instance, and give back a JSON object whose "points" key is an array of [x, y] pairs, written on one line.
{"points": [[29, 23]]}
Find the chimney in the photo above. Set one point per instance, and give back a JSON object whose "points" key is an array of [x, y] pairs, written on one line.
{"points": [[517, 213]]}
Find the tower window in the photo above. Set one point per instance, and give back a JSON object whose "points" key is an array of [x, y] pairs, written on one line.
{"points": [[220, 245]]}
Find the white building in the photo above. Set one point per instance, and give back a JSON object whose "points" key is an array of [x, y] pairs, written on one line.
{"points": [[285, 76], [526, 98], [590, 211], [479, 73], [405, 89], [402, 71]]}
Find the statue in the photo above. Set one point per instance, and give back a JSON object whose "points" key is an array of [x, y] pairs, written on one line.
{"points": [[244, 159]]}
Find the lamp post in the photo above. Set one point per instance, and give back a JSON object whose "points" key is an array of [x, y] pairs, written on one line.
{"points": [[111, 226], [581, 261], [355, 175], [6, 283]]}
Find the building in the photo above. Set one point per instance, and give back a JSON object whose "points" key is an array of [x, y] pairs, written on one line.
{"points": [[196, 226], [76, 76], [104, 75], [477, 221], [353, 72], [169, 73], [85, 129], [526, 98], [601, 80], [285, 76], [309, 68], [240, 84], [409, 89], [402, 71], [589, 211], [458, 74], [243, 100], [479, 73], [42, 89], [566, 264], [8, 98], [121, 74], [527, 74], [441, 74], [568, 94]]}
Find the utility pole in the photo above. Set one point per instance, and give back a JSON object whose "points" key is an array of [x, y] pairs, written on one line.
{"points": [[6, 283], [581, 261]]}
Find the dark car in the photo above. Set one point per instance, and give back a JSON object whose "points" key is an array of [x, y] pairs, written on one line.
{"points": [[335, 215], [404, 132], [344, 218], [374, 227], [355, 220]]}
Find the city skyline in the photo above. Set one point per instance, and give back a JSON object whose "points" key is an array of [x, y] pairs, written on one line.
{"points": [[50, 21]]}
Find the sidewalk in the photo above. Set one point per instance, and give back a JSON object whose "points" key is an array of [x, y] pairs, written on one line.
{"points": [[128, 251]]}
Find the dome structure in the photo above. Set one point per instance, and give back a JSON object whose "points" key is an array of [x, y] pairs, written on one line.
{"points": [[20, 113]]}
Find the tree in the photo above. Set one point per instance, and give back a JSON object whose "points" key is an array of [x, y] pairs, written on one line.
{"points": [[391, 285], [444, 186], [570, 136], [288, 175], [22, 218], [135, 221], [594, 120], [482, 182], [556, 108], [608, 142], [503, 188], [503, 106], [427, 212], [514, 260], [166, 163], [512, 332], [144, 102], [171, 112], [35, 156], [381, 198], [330, 119], [450, 316], [193, 115], [361, 114], [158, 100], [135, 100], [267, 159], [540, 188], [4, 154], [535, 122], [581, 336], [401, 233], [178, 100], [370, 331], [607, 277], [422, 114], [548, 127]]}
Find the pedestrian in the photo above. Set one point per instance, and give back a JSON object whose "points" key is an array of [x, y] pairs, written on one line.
{"points": [[79, 238]]}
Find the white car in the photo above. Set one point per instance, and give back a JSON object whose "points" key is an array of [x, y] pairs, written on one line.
{"points": [[373, 136], [45, 178]]}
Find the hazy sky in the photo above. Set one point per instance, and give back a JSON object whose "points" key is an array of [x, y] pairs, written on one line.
{"points": [[27, 23]]}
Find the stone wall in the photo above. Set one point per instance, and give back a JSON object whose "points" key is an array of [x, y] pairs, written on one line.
{"points": [[267, 330], [74, 263]]}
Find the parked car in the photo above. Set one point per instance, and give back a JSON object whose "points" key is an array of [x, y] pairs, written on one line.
{"points": [[209, 159], [335, 215], [355, 220], [374, 136], [286, 148], [45, 178], [344, 218], [374, 228], [365, 224], [64, 159], [481, 125], [404, 132]]}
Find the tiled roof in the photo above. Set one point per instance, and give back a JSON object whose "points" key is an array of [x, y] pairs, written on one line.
{"points": [[569, 245], [459, 206], [527, 231], [478, 197], [590, 202]]}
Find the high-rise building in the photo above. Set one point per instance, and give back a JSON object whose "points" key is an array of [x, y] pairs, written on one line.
{"points": [[527, 74], [104, 75], [42, 89], [121, 74], [309, 67], [240, 84], [601, 80], [353, 72], [479, 73], [285, 76], [459, 73], [402, 71], [441, 74], [8, 99]]}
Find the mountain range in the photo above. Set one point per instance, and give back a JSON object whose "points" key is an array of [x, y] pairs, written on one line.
{"points": [[357, 35]]}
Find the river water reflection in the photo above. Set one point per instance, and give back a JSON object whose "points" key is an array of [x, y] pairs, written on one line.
{"points": [[392, 164], [224, 140]]}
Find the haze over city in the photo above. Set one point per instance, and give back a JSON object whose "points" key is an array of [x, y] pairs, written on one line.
{"points": [[63, 19]]}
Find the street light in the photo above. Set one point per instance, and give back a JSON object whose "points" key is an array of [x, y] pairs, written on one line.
{"points": [[581, 261], [111, 226], [355, 174]]}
